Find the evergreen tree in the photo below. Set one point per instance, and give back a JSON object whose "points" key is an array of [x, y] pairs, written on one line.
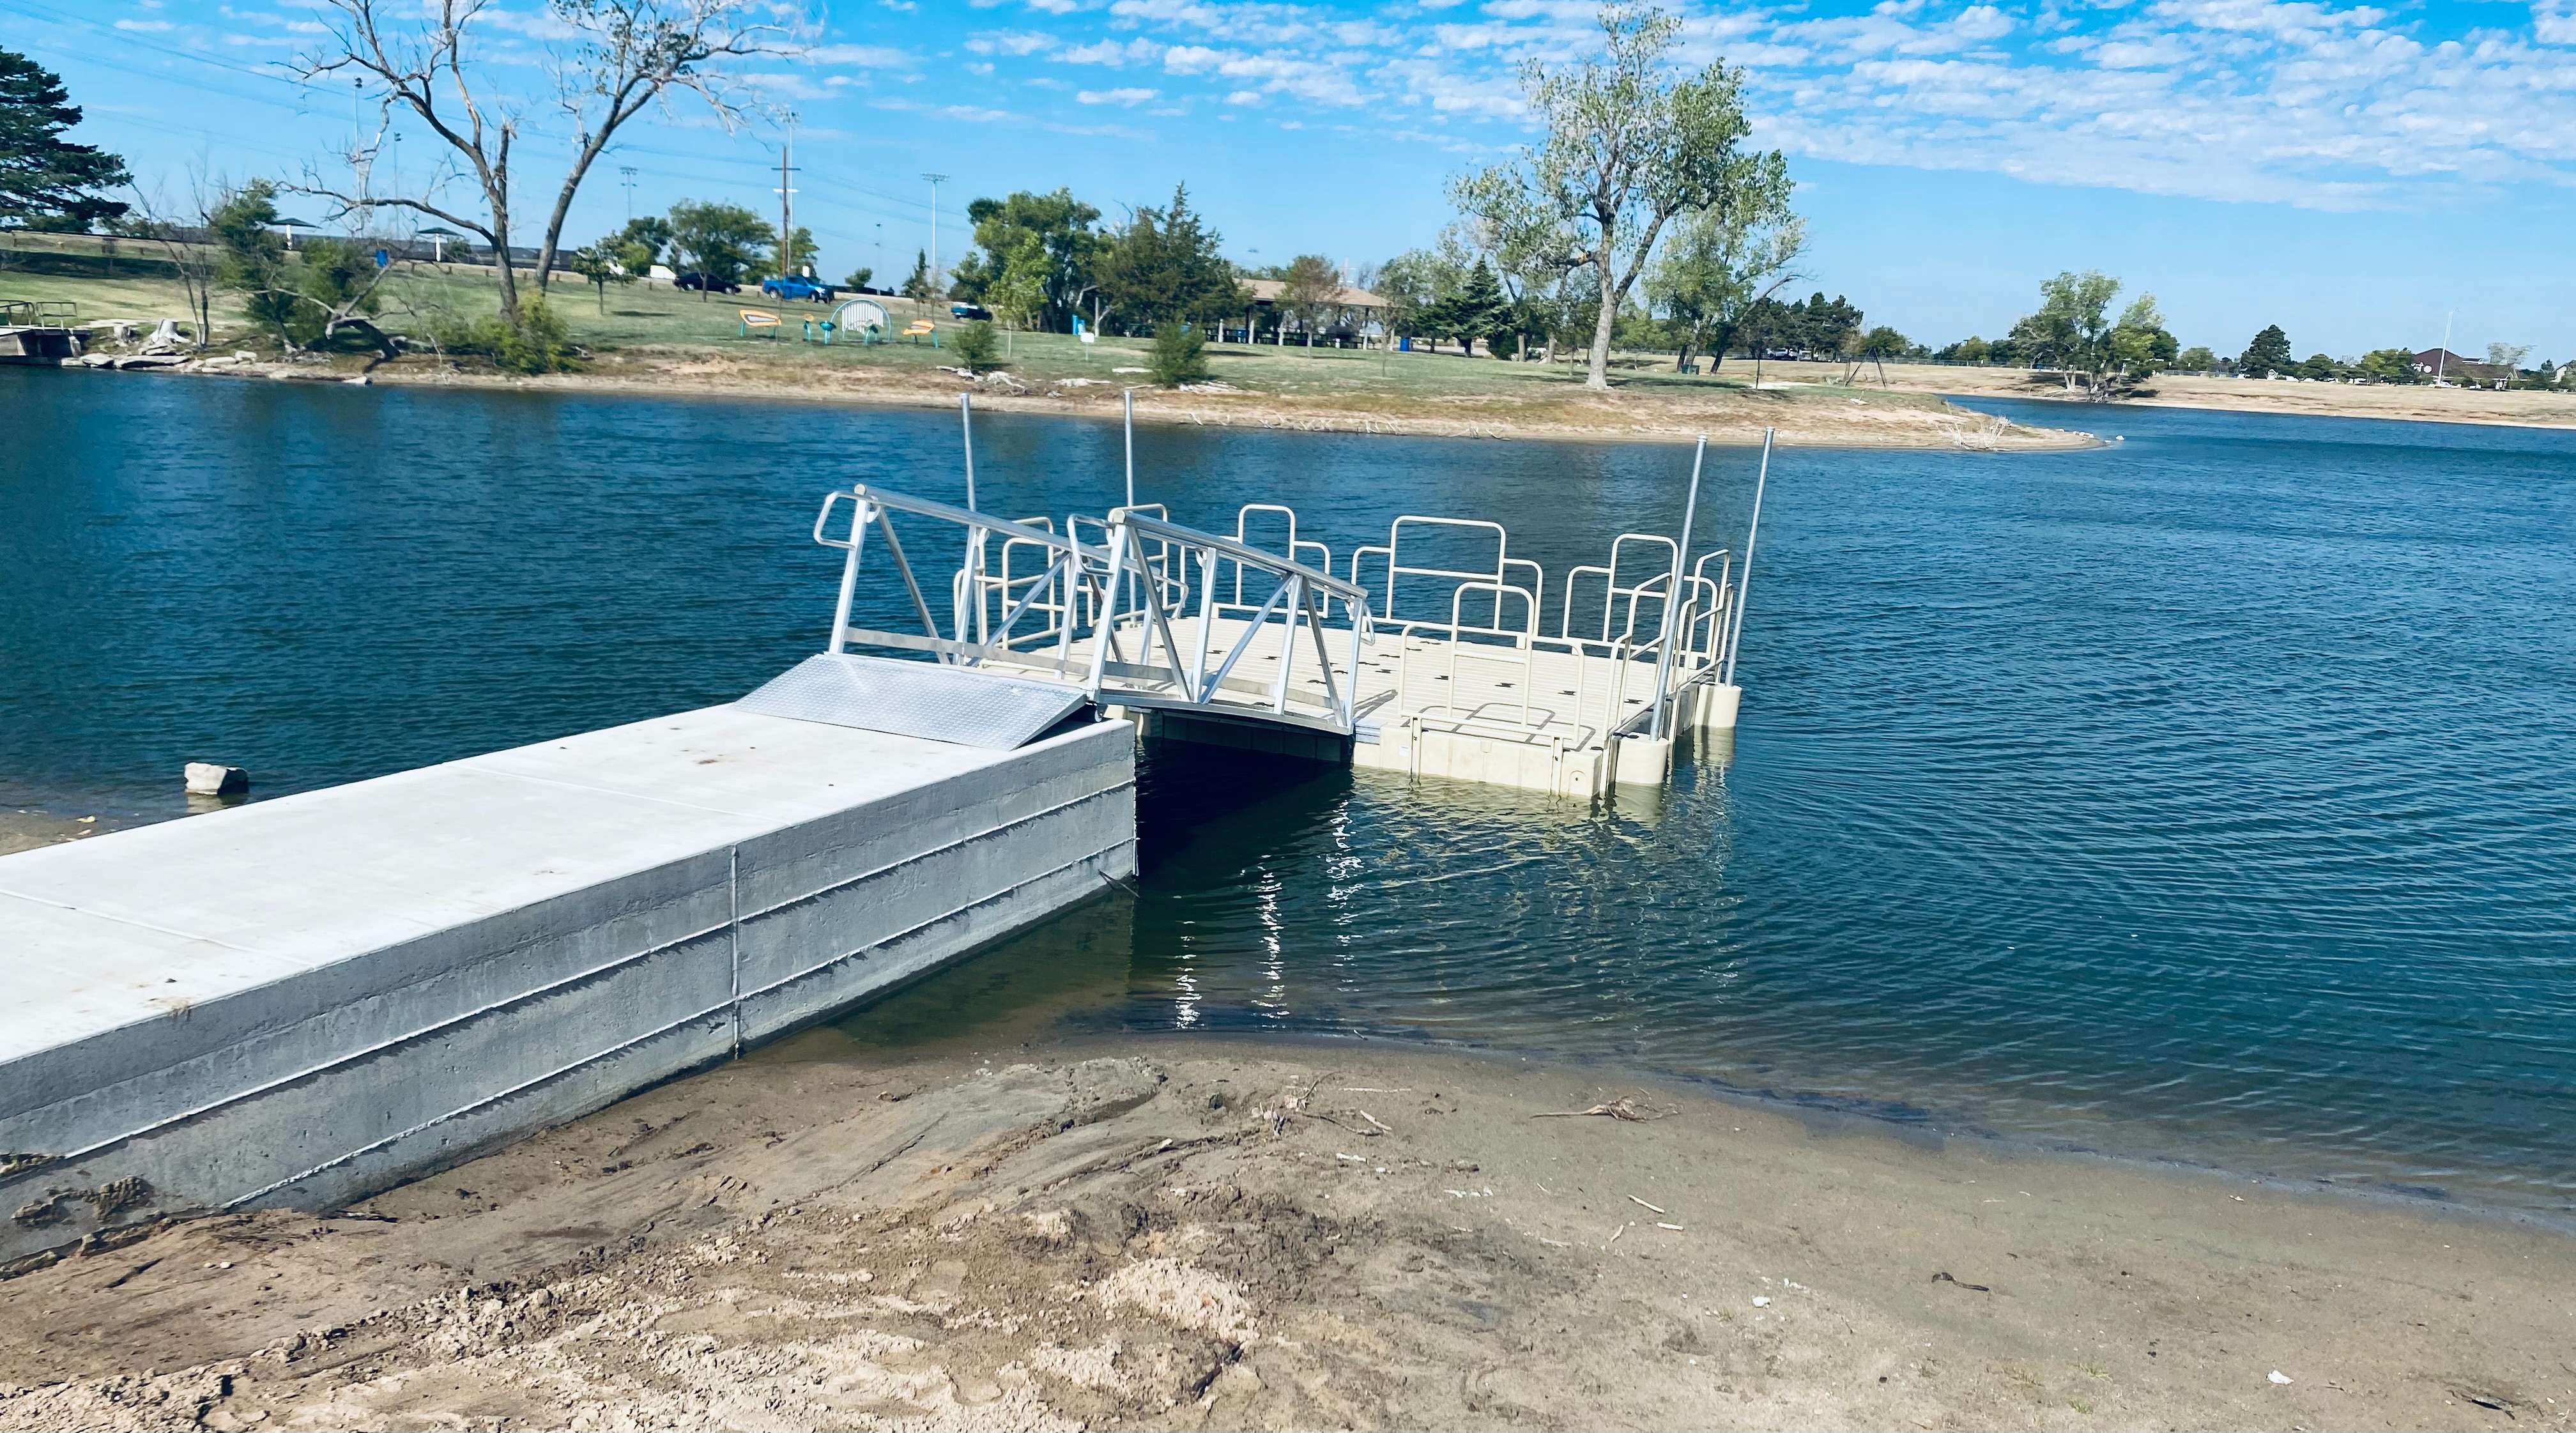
{"points": [[46, 181], [1164, 266], [2268, 354], [1477, 309], [254, 262]]}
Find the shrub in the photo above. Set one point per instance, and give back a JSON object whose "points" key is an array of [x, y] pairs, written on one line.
{"points": [[1179, 354], [538, 344], [975, 347]]}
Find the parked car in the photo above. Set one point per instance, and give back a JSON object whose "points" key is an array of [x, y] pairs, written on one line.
{"points": [[970, 311], [797, 286], [707, 283]]}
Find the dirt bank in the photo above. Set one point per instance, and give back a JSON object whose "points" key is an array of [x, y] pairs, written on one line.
{"points": [[1192, 1233], [2414, 403], [1648, 408]]}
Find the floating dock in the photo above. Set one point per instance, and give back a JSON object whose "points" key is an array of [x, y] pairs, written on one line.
{"points": [[300, 1001]]}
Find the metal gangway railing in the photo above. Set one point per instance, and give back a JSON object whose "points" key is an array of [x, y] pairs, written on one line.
{"points": [[1135, 610], [1110, 615]]}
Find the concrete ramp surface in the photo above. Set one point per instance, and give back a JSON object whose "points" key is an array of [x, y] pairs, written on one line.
{"points": [[953, 704], [302, 1000]]}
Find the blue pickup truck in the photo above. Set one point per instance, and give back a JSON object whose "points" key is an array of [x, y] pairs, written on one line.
{"points": [[797, 286]]}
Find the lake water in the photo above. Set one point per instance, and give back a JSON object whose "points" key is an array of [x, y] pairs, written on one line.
{"points": [[2206, 796]]}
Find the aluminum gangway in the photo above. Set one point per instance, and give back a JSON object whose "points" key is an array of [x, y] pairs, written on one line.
{"points": [[1438, 652]]}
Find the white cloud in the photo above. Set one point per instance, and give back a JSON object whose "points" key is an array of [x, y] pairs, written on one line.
{"points": [[1012, 42], [147, 26], [873, 56], [2329, 103]]}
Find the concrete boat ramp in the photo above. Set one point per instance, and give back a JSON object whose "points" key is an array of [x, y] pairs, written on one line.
{"points": [[303, 1000]]}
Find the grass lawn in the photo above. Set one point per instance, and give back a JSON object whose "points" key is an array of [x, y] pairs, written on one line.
{"points": [[651, 335]]}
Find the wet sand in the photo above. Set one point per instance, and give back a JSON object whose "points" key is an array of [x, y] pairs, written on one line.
{"points": [[22, 830], [1189, 1232]]}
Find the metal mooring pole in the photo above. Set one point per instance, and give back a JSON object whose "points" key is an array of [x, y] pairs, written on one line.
{"points": [[969, 589], [966, 424], [1744, 579], [1130, 396], [1673, 588]]}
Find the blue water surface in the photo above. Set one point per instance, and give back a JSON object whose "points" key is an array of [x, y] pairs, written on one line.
{"points": [[2206, 795]]}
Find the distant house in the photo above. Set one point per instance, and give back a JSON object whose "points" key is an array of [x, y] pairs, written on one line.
{"points": [[2442, 363], [1350, 312]]}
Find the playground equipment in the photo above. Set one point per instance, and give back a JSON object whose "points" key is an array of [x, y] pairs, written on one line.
{"points": [[757, 318], [866, 319], [921, 328]]}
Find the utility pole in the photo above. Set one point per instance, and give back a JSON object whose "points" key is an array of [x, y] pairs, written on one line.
{"points": [[365, 152], [935, 180], [2442, 360], [786, 195], [626, 177]]}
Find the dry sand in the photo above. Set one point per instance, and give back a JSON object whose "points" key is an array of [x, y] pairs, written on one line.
{"points": [[2419, 403], [1196, 1233]]}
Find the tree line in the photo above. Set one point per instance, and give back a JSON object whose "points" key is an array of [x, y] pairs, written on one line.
{"points": [[2073, 332]]}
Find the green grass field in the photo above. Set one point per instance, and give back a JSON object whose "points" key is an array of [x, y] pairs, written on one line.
{"points": [[653, 334]]}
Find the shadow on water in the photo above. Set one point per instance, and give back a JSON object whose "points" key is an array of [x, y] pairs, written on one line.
{"points": [[1196, 807], [1199, 803]]}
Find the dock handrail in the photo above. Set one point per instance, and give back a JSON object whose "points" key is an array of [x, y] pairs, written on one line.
{"points": [[1134, 583]]}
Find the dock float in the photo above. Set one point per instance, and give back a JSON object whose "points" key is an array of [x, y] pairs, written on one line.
{"points": [[303, 1000]]}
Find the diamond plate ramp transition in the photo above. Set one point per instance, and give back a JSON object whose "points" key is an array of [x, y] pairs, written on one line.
{"points": [[924, 699]]}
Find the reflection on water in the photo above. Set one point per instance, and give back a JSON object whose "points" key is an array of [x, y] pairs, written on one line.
{"points": [[2203, 796]]}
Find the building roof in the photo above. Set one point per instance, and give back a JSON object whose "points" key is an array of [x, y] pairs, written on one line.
{"points": [[1268, 290]]}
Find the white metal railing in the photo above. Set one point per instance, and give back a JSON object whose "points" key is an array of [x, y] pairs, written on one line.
{"points": [[1145, 612], [1108, 615]]}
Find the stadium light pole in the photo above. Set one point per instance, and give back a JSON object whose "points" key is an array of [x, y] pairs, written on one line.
{"points": [[935, 180]]}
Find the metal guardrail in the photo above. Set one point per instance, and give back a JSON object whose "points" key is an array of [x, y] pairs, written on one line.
{"points": [[1106, 612], [1143, 612]]}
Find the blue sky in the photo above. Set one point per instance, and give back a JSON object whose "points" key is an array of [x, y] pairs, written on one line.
{"points": [[2352, 172]]}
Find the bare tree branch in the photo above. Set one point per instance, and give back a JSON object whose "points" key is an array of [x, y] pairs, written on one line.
{"points": [[625, 55]]}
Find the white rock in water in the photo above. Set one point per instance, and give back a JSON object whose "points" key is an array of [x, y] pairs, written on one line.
{"points": [[207, 778]]}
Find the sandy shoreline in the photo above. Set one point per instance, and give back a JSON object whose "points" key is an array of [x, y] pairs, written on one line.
{"points": [[2406, 403], [1725, 417], [1167, 1231]]}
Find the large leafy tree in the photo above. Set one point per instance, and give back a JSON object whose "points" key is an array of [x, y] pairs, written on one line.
{"points": [[722, 241], [1416, 282], [1722, 261], [47, 181], [1061, 267], [1164, 267], [1307, 289], [2389, 365], [1629, 148], [2073, 331]]}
